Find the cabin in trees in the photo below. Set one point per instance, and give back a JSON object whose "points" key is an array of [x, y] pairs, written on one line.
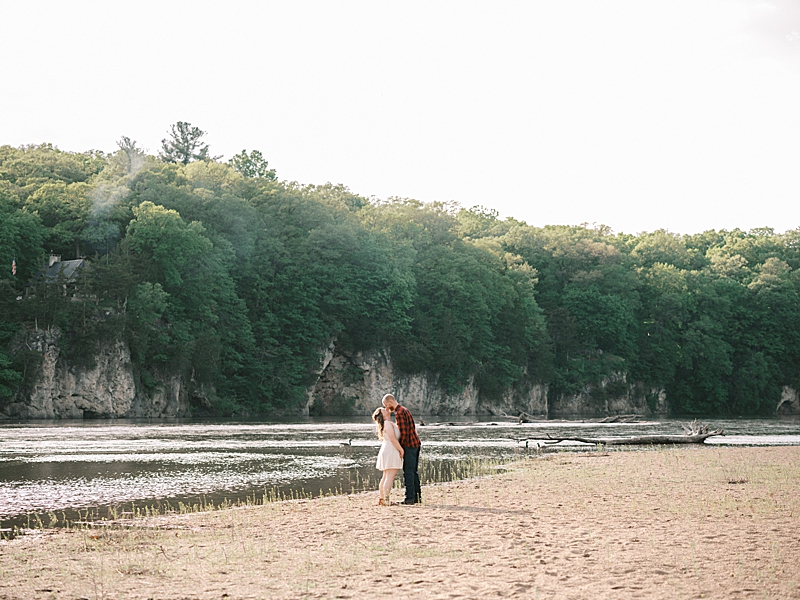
{"points": [[59, 272], [65, 271]]}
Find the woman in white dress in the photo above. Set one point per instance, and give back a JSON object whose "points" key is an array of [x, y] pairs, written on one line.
{"points": [[390, 456]]}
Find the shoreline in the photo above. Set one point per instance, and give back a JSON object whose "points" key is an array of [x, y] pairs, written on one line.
{"points": [[715, 522]]}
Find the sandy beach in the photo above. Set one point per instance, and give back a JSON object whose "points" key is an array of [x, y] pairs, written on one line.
{"points": [[692, 522]]}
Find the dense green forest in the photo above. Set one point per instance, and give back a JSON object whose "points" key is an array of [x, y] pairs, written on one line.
{"points": [[235, 279]]}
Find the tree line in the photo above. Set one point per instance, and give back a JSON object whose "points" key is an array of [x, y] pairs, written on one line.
{"points": [[236, 280]]}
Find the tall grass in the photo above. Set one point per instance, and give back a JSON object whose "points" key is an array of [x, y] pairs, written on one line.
{"points": [[435, 472], [431, 472]]}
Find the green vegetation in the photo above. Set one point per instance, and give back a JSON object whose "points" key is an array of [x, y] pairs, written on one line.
{"points": [[224, 274]]}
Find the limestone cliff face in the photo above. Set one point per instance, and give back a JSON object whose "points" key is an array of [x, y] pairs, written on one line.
{"points": [[613, 396], [355, 384], [790, 402], [106, 390], [345, 384]]}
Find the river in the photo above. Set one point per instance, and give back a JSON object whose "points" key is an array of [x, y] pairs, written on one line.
{"points": [[64, 466]]}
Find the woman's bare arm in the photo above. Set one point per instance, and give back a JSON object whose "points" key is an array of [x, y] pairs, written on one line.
{"points": [[393, 439]]}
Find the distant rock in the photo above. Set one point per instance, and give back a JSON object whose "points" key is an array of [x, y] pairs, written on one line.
{"points": [[109, 389], [354, 383]]}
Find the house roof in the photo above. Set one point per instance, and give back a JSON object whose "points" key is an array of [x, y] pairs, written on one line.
{"points": [[63, 270]]}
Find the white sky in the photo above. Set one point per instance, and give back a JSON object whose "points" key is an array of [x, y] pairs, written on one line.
{"points": [[641, 114]]}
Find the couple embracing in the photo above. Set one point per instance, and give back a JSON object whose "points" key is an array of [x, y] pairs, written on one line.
{"points": [[399, 450]]}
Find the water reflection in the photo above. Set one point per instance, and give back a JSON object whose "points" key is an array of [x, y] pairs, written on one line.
{"points": [[70, 465]]}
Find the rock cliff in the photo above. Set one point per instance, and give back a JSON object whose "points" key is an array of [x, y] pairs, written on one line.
{"points": [[355, 384], [108, 389], [790, 402], [345, 384]]}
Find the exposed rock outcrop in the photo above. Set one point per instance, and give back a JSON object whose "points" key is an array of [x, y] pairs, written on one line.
{"points": [[612, 396], [345, 384], [790, 402], [355, 384], [108, 389]]}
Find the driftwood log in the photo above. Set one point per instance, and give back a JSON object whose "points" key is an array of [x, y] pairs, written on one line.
{"points": [[522, 418], [622, 419], [693, 434]]}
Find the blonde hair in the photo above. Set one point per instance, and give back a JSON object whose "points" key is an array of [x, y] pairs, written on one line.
{"points": [[377, 416]]}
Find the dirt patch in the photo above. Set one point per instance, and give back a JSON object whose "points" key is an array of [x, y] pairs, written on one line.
{"points": [[680, 523]]}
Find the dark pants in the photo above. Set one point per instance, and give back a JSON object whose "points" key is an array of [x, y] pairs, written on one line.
{"points": [[411, 474]]}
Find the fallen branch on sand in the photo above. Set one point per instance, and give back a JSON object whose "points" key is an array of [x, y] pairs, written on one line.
{"points": [[693, 434]]}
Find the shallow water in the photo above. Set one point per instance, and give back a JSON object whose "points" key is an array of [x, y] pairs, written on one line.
{"points": [[69, 465]]}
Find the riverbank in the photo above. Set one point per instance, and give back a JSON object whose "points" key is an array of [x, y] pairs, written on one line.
{"points": [[712, 522]]}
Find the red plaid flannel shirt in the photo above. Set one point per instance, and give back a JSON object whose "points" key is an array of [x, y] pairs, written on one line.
{"points": [[408, 431]]}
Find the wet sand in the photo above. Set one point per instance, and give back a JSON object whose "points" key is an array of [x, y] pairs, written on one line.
{"points": [[690, 522]]}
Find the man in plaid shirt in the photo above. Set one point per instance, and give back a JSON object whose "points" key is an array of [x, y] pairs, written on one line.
{"points": [[409, 440]]}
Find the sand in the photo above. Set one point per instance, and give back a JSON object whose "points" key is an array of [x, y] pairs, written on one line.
{"points": [[704, 522]]}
